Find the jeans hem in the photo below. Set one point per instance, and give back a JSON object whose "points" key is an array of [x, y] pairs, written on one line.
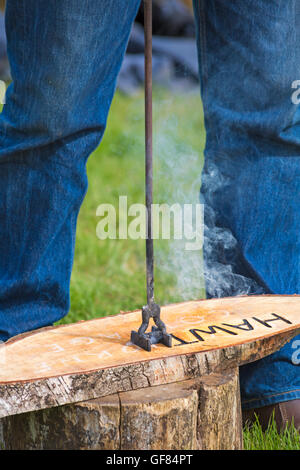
{"points": [[271, 399]]}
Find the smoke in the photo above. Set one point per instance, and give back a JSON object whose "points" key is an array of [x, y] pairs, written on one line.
{"points": [[178, 180], [222, 255]]}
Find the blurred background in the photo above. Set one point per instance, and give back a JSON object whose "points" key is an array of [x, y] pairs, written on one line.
{"points": [[175, 63]]}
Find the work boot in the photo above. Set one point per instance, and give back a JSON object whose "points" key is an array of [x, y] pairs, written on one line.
{"points": [[287, 412]]}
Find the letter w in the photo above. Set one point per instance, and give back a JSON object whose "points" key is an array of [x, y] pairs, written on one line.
{"points": [[212, 331]]}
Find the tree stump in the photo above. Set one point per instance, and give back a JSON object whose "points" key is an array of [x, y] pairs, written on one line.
{"points": [[86, 386], [188, 415]]}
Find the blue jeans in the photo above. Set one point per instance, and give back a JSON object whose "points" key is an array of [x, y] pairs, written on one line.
{"points": [[56, 114], [249, 58], [65, 57]]}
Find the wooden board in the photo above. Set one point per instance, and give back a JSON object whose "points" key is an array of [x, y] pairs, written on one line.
{"points": [[95, 358]]}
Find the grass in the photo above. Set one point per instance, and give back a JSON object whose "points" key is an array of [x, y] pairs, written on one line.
{"points": [[109, 275], [256, 439]]}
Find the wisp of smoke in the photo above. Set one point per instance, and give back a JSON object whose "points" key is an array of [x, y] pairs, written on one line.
{"points": [[221, 248], [179, 177], [180, 181]]}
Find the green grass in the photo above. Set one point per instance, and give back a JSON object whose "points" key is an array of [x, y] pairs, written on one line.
{"points": [[256, 439], [109, 275]]}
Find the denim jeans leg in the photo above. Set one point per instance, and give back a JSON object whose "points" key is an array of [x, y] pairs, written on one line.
{"points": [[65, 57], [248, 60]]}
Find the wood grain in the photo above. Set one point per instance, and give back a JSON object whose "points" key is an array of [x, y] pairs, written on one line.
{"points": [[91, 359]]}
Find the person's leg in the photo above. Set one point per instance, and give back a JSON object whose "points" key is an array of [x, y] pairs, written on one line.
{"points": [[64, 57], [248, 59]]}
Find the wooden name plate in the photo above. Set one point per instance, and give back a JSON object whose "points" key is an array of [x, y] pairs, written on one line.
{"points": [[90, 359]]}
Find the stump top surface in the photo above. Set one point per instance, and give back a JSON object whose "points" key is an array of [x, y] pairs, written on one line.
{"points": [[105, 342]]}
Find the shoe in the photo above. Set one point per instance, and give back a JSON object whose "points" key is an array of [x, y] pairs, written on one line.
{"points": [[286, 412]]}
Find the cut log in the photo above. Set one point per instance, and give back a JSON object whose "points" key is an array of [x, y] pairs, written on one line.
{"points": [[92, 359], [219, 412], [194, 414]]}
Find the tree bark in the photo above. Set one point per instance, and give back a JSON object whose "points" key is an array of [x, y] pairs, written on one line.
{"points": [[193, 414], [219, 412]]}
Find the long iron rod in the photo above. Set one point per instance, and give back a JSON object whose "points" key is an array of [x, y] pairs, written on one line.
{"points": [[149, 148], [158, 333]]}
